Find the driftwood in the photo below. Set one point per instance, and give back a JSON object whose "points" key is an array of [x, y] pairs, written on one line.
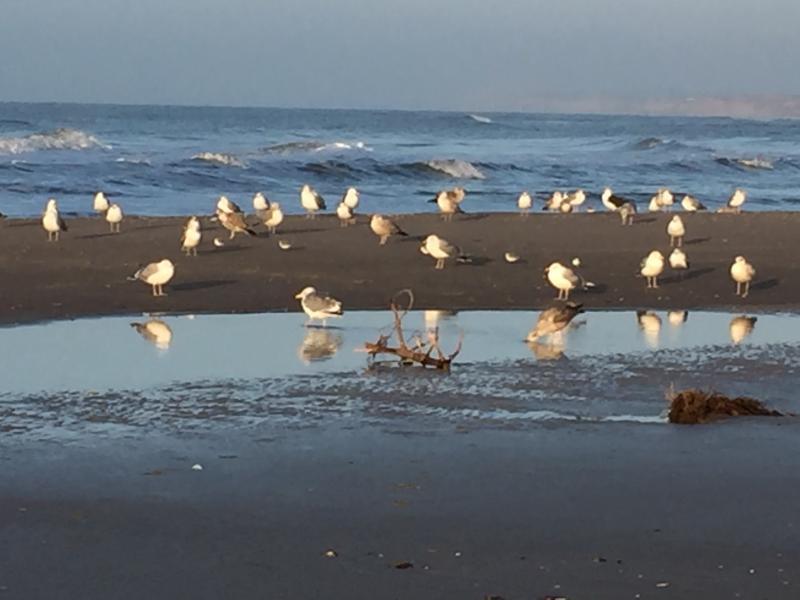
{"points": [[425, 352], [690, 407]]}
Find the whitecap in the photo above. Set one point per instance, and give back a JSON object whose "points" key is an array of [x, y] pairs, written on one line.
{"points": [[59, 139], [756, 163], [344, 146], [458, 169], [480, 119], [133, 161], [220, 158], [315, 146]]}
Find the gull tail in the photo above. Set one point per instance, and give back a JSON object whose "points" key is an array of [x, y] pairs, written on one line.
{"points": [[249, 231]]}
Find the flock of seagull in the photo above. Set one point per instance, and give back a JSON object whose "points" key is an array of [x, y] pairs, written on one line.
{"points": [[321, 307]]}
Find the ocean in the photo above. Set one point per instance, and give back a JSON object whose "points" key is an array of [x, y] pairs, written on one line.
{"points": [[168, 160]]}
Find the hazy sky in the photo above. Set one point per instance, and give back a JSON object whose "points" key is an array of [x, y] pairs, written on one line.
{"points": [[450, 54]]}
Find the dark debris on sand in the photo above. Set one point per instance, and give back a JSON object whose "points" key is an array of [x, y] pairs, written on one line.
{"points": [[690, 407]]}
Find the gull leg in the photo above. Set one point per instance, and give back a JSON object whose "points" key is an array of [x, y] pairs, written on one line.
{"points": [[738, 289], [746, 289], [232, 235], [57, 234], [655, 281], [154, 290], [194, 250], [384, 239]]}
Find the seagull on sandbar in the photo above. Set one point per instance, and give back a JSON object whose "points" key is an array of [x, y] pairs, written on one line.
{"points": [[156, 275], [114, 217], [318, 307], [576, 198], [52, 222], [678, 261], [740, 327], [665, 198], [554, 202], [562, 278], [736, 200], [191, 236], [626, 213], [100, 203], [273, 217], [345, 214], [384, 227], [692, 204], [226, 206], [554, 320], [311, 201], [524, 203], [351, 198], [652, 267], [742, 272], [613, 202], [260, 205], [156, 332], [449, 203], [441, 250], [676, 230]]}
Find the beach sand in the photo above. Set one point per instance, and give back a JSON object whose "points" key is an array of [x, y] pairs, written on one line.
{"points": [[85, 273]]}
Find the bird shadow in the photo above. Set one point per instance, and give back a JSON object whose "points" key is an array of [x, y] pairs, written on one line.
{"points": [[765, 284], [94, 236], [201, 285], [694, 241], [688, 275], [305, 230], [225, 249], [479, 261], [597, 288], [322, 327], [645, 220]]}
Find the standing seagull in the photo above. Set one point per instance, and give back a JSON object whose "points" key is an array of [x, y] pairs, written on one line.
{"points": [[613, 202], [274, 217], [524, 203], [345, 214], [742, 273], [449, 203], [156, 274], [562, 278], [692, 204], [553, 320], [114, 217], [317, 306], [554, 202], [384, 227], [665, 198], [191, 236], [576, 198], [260, 205], [737, 199], [100, 203], [351, 198], [652, 267], [627, 212], [676, 231], [52, 222], [678, 260], [226, 206], [311, 201], [234, 222], [441, 250]]}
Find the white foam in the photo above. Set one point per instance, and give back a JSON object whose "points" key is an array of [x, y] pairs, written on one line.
{"points": [[343, 146], [58, 139], [459, 169], [756, 163], [480, 119], [220, 158], [133, 161]]}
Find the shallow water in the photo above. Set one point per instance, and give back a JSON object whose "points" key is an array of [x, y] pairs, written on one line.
{"points": [[207, 371]]}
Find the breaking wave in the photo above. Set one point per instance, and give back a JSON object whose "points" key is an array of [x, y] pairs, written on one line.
{"points": [[457, 169], [220, 158], [648, 143], [314, 146], [480, 119], [747, 163], [58, 139]]}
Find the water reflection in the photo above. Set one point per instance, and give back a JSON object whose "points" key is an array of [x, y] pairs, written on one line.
{"points": [[677, 318], [319, 345], [650, 324], [741, 327], [432, 317], [552, 351], [156, 332]]}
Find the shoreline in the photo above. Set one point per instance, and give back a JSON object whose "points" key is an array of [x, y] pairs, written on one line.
{"points": [[85, 277]]}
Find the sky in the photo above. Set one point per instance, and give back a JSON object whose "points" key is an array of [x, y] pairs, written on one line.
{"points": [[408, 54]]}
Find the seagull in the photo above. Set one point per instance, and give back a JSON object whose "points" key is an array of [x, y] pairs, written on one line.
{"points": [[652, 267], [677, 260], [226, 206], [284, 245], [650, 324], [554, 202], [676, 231], [576, 198], [156, 274], [345, 214], [554, 320], [234, 222], [318, 307], [677, 317], [737, 199], [273, 217], [441, 250], [562, 278], [100, 203], [311, 201], [260, 205], [626, 213], [665, 198], [692, 204], [384, 227], [156, 332], [52, 222], [565, 207], [741, 327], [191, 236], [742, 273], [655, 204], [511, 257], [613, 202], [524, 203], [351, 198], [114, 217], [449, 203], [218, 243]]}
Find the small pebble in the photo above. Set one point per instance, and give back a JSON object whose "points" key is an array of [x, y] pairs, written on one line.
{"points": [[662, 584]]}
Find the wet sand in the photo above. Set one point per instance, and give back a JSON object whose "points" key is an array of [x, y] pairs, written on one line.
{"points": [[577, 512], [85, 274]]}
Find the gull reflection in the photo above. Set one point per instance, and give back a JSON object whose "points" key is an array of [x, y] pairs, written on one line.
{"points": [[650, 324], [741, 327], [677, 317], [156, 332], [432, 318], [551, 351], [318, 345]]}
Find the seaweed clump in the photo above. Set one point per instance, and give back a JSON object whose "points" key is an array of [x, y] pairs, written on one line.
{"points": [[690, 407]]}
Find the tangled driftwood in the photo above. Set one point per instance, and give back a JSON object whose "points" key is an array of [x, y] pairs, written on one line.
{"points": [[689, 407], [425, 352]]}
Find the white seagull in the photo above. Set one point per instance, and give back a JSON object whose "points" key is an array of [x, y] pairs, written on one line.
{"points": [[441, 250], [554, 202], [613, 202], [273, 217], [652, 267], [100, 203], [737, 199], [226, 206], [260, 204], [351, 198], [52, 222], [345, 214], [524, 203], [311, 201], [191, 236], [156, 274], [692, 204], [318, 307], [676, 230], [554, 320], [114, 217], [449, 203], [562, 278], [576, 198], [742, 272], [384, 227], [627, 212], [678, 260]]}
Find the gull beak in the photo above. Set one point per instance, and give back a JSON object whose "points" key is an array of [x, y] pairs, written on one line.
{"points": [[298, 295]]}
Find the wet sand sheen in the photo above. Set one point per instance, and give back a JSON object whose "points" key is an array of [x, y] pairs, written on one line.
{"points": [[84, 274]]}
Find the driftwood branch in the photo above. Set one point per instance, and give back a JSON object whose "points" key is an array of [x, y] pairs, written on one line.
{"points": [[422, 350]]}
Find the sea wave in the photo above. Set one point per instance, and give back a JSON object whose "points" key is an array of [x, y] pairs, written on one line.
{"points": [[134, 161], [314, 146], [648, 143], [480, 119], [332, 168], [457, 169], [220, 158], [59, 139], [747, 163]]}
